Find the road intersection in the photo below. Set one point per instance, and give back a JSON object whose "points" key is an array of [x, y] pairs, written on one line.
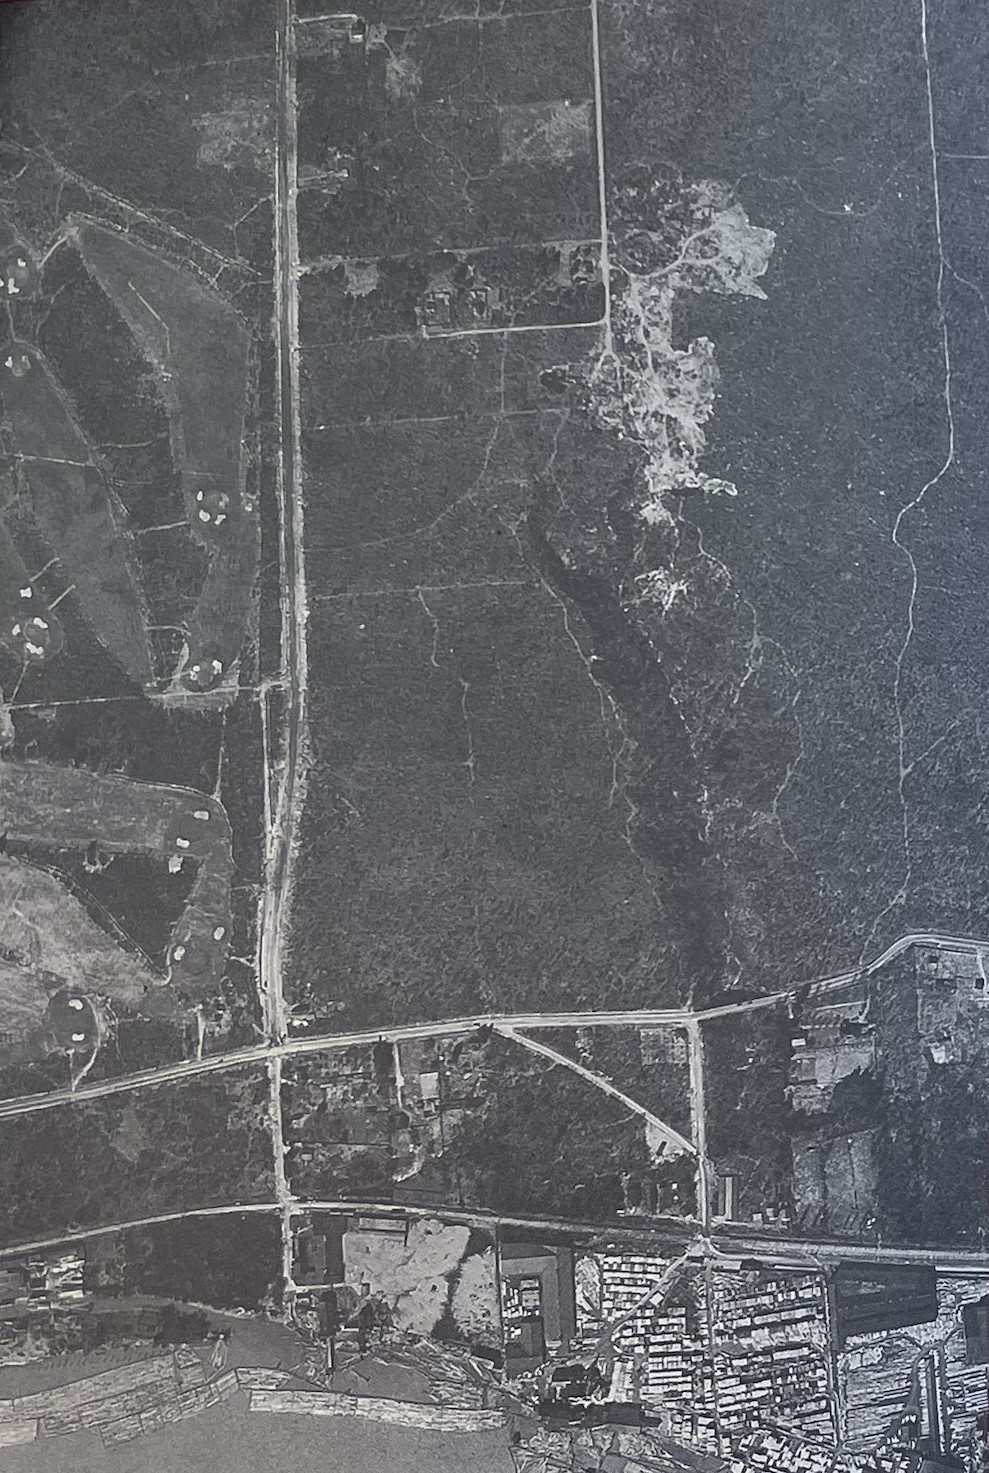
{"points": [[676, 1236], [453, 1027], [731, 1238]]}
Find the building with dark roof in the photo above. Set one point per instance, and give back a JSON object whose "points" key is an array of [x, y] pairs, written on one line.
{"points": [[975, 1318], [871, 1299], [538, 1301]]}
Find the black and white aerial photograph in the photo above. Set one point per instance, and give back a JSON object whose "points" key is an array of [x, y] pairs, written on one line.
{"points": [[494, 736]]}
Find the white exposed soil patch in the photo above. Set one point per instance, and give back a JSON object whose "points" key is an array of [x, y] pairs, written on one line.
{"points": [[474, 1304], [654, 392], [361, 277], [411, 1273]]}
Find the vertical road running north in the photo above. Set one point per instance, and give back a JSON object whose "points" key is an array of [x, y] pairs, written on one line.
{"points": [[294, 662], [281, 837]]}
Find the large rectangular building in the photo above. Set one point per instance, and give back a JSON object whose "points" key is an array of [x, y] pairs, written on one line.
{"points": [[870, 1299], [538, 1301]]}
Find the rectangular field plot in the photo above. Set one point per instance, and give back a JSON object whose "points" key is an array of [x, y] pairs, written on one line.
{"points": [[465, 744], [465, 135], [435, 378], [421, 13], [374, 485], [450, 293]]}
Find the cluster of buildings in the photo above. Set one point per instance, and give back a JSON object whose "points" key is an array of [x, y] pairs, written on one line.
{"points": [[772, 1451], [334, 1114], [393, 1107], [768, 1451], [834, 1038], [675, 1368], [927, 1386], [449, 306], [628, 1303], [771, 1352], [317, 1260], [666, 1047], [736, 1361], [952, 995], [538, 1303], [55, 1281], [459, 299], [714, 1352], [40, 1300]]}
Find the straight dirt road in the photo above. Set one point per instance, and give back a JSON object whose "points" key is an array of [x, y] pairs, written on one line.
{"points": [[295, 670], [454, 1027], [665, 1237], [281, 837]]}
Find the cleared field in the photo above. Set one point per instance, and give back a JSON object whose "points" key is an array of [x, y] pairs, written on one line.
{"points": [[72, 807], [835, 1184], [22, 1004], [437, 1272], [112, 388], [74, 508], [201, 351], [199, 345], [53, 935]]}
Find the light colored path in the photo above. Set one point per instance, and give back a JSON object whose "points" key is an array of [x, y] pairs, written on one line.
{"points": [[662, 1235], [659, 1127], [453, 1027], [282, 832]]}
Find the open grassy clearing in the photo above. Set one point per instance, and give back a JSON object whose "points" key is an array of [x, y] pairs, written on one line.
{"points": [[74, 508], [74, 808], [201, 351], [29, 630]]}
